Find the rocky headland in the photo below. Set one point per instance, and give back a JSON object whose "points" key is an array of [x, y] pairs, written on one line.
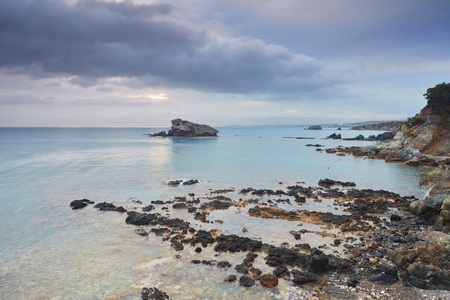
{"points": [[183, 128], [392, 126]]}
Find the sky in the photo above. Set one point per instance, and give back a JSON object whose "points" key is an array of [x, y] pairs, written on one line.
{"points": [[219, 62]]}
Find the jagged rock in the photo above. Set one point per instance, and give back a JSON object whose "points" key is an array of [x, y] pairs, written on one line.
{"points": [[425, 266], [334, 136], [148, 208], [329, 182], [161, 133], [184, 128], [281, 271]]}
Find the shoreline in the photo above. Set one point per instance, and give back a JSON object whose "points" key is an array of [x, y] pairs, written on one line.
{"points": [[363, 259]]}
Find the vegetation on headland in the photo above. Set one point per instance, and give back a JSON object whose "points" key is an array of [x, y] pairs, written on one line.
{"points": [[385, 126]]}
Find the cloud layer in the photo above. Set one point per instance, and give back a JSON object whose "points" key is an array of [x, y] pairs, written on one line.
{"points": [[154, 43]]}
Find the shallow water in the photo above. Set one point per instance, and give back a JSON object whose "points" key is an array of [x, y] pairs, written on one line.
{"points": [[48, 251]]}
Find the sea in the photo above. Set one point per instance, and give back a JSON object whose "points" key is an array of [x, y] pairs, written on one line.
{"points": [[49, 251]]}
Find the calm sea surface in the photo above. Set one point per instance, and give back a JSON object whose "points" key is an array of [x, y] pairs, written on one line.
{"points": [[48, 251]]}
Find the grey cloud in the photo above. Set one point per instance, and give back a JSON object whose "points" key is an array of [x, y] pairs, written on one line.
{"points": [[92, 40], [24, 99]]}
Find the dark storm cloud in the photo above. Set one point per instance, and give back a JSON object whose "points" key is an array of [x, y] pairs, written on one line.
{"points": [[151, 42]]}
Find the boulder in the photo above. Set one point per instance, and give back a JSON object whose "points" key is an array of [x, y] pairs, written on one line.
{"points": [[335, 136], [246, 281], [418, 207], [301, 277], [318, 262], [153, 294], [268, 280], [77, 204]]}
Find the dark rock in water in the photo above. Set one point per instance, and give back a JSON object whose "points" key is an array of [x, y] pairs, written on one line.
{"points": [[105, 206], [246, 281], [198, 249], [318, 261], [281, 271], [357, 138], [153, 294], [316, 145], [136, 218], [177, 246], [278, 256], [191, 182], [77, 204], [234, 243], [268, 280], [315, 127], [223, 264], [158, 202], [148, 208], [242, 268], [141, 231], [329, 182], [196, 261], [231, 278], [204, 237], [216, 204], [160, 231], [180, 206], [251, 256], [301, 277], [335, 136], [174, 182], [183, 128], [161, 133]]}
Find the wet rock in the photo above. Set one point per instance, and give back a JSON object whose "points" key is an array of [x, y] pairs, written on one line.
{"points": [[314, 145], [174, 182], [77, 204], [160, 231], [204, 237], [180, 206], [148, 208], [161, 133], [191, 182], [158, 202], [231, 278], [318, 261], [105, 206], [223, 264], [242, 268], [196, 261], [153, 294], [246, 281], [216, 204], [141, 231], [177, 246], [268, 280], [278, 256], [251, 256], [301, 277], [334, 136], [337, 242], [383, 275], [281, 271], [136, 218], [329, 182], [198, 249], [234, 243]]}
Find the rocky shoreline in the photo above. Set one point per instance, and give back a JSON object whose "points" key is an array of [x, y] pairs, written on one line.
{"points": [[372, 243]]}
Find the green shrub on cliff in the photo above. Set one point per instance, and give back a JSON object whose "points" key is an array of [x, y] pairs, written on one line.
{"points": [[438, 98]]}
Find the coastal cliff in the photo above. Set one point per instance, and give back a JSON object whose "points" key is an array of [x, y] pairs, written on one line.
{"points": [[183, 128]]}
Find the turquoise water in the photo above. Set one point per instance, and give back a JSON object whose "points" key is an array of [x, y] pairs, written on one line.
{"points": [[49, 251]]}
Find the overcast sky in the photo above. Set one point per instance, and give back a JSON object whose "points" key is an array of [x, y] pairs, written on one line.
{"points": [[221, 62]]}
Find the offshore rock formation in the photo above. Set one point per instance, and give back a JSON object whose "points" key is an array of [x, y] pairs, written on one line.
{"points": [[183, 128]]}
